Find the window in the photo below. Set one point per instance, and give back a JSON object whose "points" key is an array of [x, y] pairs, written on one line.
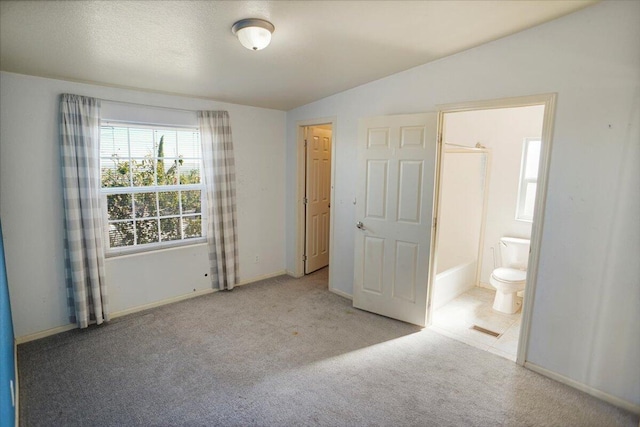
{"points": [[151, 186], [528, 179]]}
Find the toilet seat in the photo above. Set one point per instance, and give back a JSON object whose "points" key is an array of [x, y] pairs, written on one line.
{"points": [[509, 275]]}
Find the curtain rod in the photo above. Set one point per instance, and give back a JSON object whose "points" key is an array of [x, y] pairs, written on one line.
{"points": [[480, 148], [148, 106]]}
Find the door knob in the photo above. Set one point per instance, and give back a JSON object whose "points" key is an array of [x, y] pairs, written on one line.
{"points": [[360, 225]]}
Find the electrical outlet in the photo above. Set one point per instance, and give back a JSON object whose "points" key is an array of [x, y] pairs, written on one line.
{"points": [[257, 260]]}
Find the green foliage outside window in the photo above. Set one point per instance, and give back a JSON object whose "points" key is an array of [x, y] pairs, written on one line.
{"points": [[149, 217]]}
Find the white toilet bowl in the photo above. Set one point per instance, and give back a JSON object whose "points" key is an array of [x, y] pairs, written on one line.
{"points": [[508, 282]]}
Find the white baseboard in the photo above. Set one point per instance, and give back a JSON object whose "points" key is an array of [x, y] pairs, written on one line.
{"points": [[162, 302], [341, 293], [616, 401], [46, 333], [294, 274], [263, 277], [70, 326]]}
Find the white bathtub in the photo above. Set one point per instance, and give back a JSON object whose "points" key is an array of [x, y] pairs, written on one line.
{"points": [[453, 282]]}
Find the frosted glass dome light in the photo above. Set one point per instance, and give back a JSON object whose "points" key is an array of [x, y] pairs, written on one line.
{"points": [[254, 34]]}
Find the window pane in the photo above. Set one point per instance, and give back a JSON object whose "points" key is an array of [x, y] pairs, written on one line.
{"points": [[119, 206], [189, 171], [188, 144], [145, 205], [114, 173], [192, 226], [533, 159], [147, 231], [168, 171], [191, 202], [114, 141], [529, 200], [141, 141], [143, 172], [168, 201], [121, 234], [170, 229]]}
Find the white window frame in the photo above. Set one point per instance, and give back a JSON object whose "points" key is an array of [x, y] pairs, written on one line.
{"points": [[146, 247], [524, 181]]}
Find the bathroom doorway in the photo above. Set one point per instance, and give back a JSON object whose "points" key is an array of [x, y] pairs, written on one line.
{"points": [[489, 165]]}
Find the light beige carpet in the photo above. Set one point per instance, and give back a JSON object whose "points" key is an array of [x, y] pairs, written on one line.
{"points": [[284, 352]]}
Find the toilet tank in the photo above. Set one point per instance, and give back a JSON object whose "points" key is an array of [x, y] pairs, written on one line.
{"points": [[514, 252]]}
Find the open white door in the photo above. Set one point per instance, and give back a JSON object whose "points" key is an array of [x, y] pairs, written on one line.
{"points": [[394, 214], [318, 199]]}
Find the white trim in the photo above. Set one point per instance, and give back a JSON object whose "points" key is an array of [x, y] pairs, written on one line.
{"points": [[616, 401], [300, 180], [549, 102], [188, 296], [343, 294], [162, 302], [435, 229], [537, 225], [492, 104], [263, 277], [293, 274], [65, 328], [71, 326], [46, 333], [125, 251]]}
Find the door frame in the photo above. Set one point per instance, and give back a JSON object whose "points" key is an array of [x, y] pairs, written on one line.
{"points": [[300, 192], [549, 102]]}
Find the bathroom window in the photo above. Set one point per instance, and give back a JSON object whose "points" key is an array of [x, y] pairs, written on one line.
{"points": [[528, 179]]}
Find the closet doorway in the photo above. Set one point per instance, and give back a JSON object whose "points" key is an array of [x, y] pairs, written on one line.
{"points": [[317, 199], [315, 188]]}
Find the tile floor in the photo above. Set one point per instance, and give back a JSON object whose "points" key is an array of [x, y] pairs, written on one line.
{"points": [[474, 307]]}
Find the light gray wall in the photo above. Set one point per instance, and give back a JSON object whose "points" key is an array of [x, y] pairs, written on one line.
{"points": [[586, 313], [31, 201]]}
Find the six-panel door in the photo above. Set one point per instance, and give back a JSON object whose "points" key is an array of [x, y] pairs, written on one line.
{"points": [[396, 170]]}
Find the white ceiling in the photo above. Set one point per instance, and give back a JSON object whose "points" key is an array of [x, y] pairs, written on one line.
{"points": [[186, 47]]}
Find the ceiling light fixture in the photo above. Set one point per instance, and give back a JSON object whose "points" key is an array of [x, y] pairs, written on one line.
{"points": [[254, 34]]}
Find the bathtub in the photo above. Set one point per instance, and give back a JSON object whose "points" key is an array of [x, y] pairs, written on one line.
{"points": [[453, 282]]}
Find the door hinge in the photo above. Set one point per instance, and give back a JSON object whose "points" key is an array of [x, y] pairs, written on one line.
{"points": [[435, 222], [304, 257], [305, 142], [305, 200], [440, 138]]}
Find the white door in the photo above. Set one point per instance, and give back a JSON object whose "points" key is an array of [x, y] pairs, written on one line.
{"points": [[394, 214], [318, 198]]}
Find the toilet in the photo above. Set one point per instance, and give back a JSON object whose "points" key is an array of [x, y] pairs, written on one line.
{"points": [[511, 277]]}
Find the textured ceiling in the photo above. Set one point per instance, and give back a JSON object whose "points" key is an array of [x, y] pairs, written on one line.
{"points": [[186, 47]]}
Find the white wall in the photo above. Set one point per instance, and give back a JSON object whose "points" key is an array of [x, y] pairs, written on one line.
{"points": [[503, 132], [32, 212], [587, 307]]}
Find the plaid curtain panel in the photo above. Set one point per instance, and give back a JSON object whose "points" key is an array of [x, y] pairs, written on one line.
{"points": [[84, 250], [220, 183]]}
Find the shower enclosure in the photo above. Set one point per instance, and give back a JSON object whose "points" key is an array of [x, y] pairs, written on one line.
{"points": [[461, 219]]}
